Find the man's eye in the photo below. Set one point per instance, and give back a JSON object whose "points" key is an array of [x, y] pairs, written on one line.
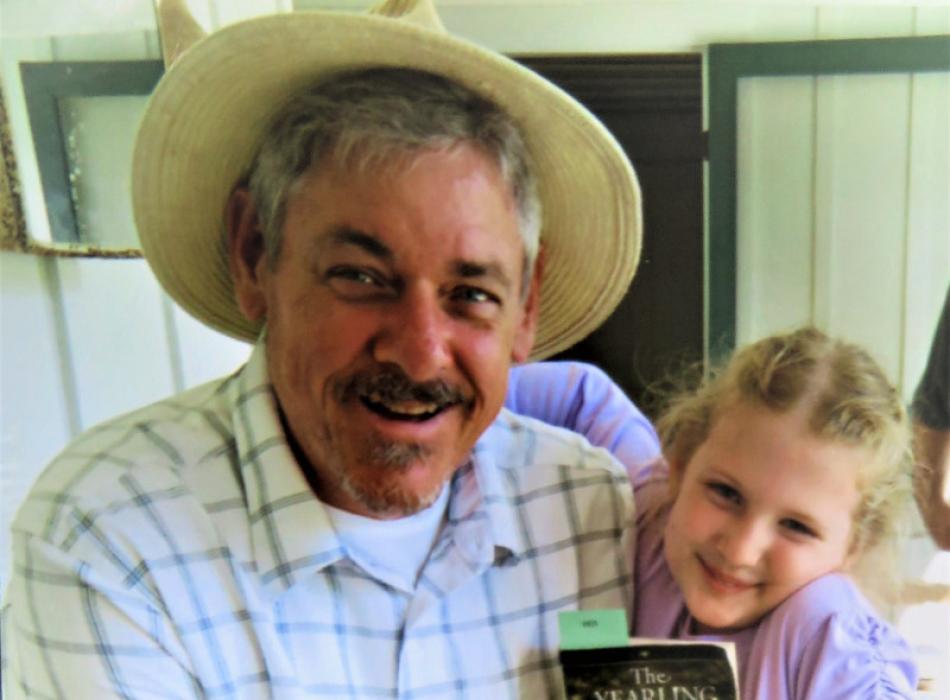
{"points": [[358, 283], [723, 493], [474, 295], [352, 274]]}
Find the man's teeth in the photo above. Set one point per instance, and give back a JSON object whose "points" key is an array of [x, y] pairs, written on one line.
{"points": [[408, 408]]}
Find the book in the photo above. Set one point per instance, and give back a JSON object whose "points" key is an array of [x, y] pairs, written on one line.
{"points": [[649, 669]]}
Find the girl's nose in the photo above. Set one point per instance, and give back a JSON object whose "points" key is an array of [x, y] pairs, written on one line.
{"points": [[744, 543]]}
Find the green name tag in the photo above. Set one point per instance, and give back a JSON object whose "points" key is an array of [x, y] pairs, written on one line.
{"points": [[593, 629]]}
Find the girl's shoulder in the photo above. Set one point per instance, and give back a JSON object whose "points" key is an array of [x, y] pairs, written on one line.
{"points": [[836, 646], [823, 597]]}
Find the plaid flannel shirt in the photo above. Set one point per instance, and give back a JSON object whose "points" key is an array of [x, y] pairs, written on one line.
{"points": [[178, 552]]}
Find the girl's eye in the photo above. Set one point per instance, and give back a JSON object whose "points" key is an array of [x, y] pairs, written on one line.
{"points": [[798, 527], [724, 493]]}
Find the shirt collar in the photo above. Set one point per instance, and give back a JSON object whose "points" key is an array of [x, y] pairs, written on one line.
{"points": [[487, 490], [291, 533]]}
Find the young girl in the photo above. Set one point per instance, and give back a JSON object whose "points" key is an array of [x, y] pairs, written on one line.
{"points": [[784, 474]]}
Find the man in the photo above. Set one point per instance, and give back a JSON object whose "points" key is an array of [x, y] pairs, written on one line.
{"points": [[351, 514]]}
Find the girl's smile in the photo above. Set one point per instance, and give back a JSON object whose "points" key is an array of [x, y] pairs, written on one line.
{"points": [[723, 582]]}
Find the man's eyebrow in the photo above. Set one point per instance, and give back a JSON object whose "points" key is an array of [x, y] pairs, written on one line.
{"points": [[492, 270], [370, 244]]}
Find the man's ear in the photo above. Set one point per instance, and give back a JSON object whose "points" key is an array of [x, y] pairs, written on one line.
{"points": [[246, 254], [524, 335]]}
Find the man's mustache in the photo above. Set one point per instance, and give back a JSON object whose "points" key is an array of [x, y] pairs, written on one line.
{"points": [[391, 385]]}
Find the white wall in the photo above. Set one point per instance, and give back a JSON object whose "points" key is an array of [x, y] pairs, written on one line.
{"points": [[843, 210], [81, 340]]}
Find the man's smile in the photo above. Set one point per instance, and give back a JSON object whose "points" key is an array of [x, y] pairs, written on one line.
{"points": [[407, 409], [390, 394]]}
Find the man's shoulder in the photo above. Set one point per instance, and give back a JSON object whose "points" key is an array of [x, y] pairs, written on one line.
{"points": [[518, 442], [173, 431], [549, 490], [147, 450]]}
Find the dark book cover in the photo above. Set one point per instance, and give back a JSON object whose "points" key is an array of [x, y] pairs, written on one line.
{"points": [[651, 671]]}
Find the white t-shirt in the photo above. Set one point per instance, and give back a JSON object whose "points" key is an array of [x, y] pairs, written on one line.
{"points": [[393, 551]]}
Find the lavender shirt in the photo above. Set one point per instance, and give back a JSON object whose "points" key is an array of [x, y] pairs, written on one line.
{"points": [[583, 398], [823, 643]]}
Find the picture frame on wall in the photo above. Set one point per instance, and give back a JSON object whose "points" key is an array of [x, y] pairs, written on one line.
{"points": [[82, 120]]}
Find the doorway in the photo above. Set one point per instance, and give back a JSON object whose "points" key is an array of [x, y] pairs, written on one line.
{"points": [[653, 106]]}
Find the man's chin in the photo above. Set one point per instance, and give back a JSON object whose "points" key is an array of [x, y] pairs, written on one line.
{"points": [[403, 483], [392, 500], [389, 457]]}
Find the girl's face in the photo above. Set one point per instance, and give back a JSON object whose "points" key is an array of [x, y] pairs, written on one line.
{"points": [[763, 507]]}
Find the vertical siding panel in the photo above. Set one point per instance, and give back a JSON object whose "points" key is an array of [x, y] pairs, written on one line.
{"points": [[117, 336], [866, 124], [928, 220], [35, 414], [205, 354], [823, 167], [774, 197], [36, 417], [173, 342], [53, 289]]}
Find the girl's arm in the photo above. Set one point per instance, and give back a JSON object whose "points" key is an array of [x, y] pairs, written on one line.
{"points": [[582, 398]]}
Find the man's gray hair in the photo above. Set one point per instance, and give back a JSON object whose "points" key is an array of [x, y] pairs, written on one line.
{"points": [[362, 118]]}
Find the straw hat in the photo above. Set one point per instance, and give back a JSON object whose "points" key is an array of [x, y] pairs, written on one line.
{"points": [[203, 123]]}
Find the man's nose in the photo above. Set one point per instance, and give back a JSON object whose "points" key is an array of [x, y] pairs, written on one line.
{"points": [[744, 542], [416, 336]]}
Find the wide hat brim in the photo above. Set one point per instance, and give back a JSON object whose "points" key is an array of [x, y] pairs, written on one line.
{"points": [[204, 122]]}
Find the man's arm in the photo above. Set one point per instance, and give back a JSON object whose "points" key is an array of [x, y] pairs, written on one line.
{"points": [[582, 398], [931, 412], [932, 481]]}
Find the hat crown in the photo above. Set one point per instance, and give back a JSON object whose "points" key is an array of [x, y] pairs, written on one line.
{"points": [[179, 30]]}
